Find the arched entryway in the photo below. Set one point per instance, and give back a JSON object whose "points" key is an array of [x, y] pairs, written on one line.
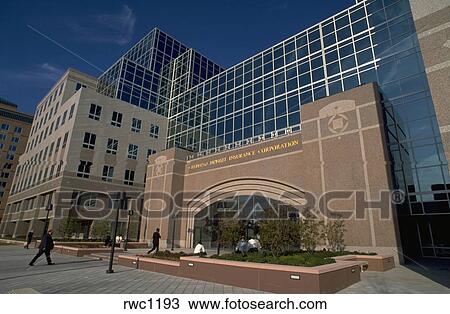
{"points": [[244, 199]]}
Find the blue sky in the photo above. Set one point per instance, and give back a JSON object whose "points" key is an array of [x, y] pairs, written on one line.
{"points": [[99, 32]]}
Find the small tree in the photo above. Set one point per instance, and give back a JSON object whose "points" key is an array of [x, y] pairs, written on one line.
{"points": [[67, 227], [229, 232], [311, 232], [334, 234], [277, 235], [100, 228]]}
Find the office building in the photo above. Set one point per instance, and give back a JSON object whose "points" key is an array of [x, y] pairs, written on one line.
{"points": [[402, 47], [357, 102], [84, 149], [14, 130]]}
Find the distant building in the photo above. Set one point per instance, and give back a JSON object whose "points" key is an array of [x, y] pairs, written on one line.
{"points": [[14, 130], [81, 141]]}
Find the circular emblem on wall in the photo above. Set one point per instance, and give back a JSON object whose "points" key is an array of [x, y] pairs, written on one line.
{"points": [[338, 123]]}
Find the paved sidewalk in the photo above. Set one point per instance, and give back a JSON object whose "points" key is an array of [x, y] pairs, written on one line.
{"points": [[87, 275]]}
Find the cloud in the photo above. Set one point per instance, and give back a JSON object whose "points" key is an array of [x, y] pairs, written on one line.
{"points": [[116, 28], [39, 73]]}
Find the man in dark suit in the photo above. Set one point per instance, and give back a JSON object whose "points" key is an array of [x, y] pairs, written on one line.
{"points": [[29, 239], [45, 248], [155, 240]]}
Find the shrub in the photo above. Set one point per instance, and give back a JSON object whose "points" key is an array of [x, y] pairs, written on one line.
{"points": [[67, 227], [311, 232], [334, 234], [229, 232], [295, 259], [278, 236], [171, 256], [100, 229]]}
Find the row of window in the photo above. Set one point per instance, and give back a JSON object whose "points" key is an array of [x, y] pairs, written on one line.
{"points": [[84, 171], [39, 137], [49, 100], [5, 127], [112, 145], [43, 154], [95, 112], [14, 139]]}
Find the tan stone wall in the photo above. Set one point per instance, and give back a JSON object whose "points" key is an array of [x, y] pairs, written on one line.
{"points": [[341, 147], [20, 148]]}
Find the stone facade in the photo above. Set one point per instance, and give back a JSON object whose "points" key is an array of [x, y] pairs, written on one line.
{"points": [[13, 140], [51, 171], [341, 148]]}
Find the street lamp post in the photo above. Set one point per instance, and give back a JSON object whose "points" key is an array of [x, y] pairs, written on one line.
{"points": [[48, 209], [116, 222], [174, 217], [125, 245]]}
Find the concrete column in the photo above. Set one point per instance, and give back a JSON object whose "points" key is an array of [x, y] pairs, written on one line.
{"points": [[38, 227], [21, 229], [165, 182], [9, 229]]}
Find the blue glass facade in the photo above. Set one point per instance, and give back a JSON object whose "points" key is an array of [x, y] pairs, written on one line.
{"points": [[136, 76], [372, 41]]}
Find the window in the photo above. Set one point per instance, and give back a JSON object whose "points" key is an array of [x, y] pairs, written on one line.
{"points": [[65, 140], [64, 118], [12, 148], [84, 169], [111, 147], [9, 157], [116, 119], [57, 123], [129, 177], [132, 151], [150, 152], [108, 173], [2, 137], [136, 125], [72, 109], [79, 85], [4, 127], [95, 111], [89, 140], [18, 129], [58, 142], [154, 130]]}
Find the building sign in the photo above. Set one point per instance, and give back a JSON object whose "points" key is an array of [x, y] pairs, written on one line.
{"points": [[245, 155]]}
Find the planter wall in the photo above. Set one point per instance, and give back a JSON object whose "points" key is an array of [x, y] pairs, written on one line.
{"points": [[150, 264], [74, 251], [272, 278], [265, 277], [374, 262]]}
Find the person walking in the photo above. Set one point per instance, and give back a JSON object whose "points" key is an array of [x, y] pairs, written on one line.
{"points": [[45, 247], [29, 239], [156, 237]]}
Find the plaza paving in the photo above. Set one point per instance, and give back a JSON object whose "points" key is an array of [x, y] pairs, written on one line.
{"points": [[87, 275]]}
